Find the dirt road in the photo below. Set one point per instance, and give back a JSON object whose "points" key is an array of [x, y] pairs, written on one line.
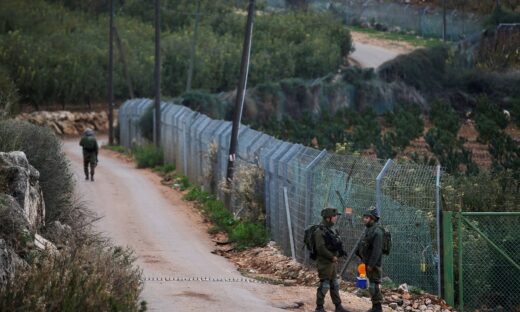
{"points": [[170, 241], [372, 52]]}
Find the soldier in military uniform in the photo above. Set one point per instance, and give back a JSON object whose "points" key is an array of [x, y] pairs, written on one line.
{"points": [[328, 249], [370, 250], [90, 153]]}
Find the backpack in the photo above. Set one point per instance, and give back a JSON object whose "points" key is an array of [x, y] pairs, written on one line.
{"points": [[89, 143], [387, 241], [308, 241]]}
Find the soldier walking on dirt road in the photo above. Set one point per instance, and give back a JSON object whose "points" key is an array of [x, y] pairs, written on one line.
{"points": [[90, 153]]}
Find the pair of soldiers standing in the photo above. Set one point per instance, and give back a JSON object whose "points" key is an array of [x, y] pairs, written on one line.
{"points": [[370, 250]]}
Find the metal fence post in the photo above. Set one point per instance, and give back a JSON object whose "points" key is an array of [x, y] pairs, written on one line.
{"points": [[378, 184], [461, 273], [438, 209], [289, 223], [447, 242], [308, 182]]}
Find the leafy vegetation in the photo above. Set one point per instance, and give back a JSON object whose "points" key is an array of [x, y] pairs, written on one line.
{"points": [[117, 148], [243, 234], [56, 51], [444, 141], [148, 156]]}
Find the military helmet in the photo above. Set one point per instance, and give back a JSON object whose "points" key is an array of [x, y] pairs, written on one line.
{"points": [[88, 132], [329, 212], [372, 212]]}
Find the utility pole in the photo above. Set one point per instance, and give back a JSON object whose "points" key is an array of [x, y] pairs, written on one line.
{"points": [[444, 34], [157, 128], [123, 61], [193, 47], [241, 89], [111, 76]]}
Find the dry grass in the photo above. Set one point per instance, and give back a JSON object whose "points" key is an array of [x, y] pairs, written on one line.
{"points": [[92, 276], [246, 190]]}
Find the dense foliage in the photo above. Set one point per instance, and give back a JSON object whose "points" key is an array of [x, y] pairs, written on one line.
{"points": [[57, 52]]}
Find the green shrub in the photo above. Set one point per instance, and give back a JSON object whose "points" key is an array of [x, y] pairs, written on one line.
{"points": [[116, 148], [44, 152], [148, 156], [146, 123], [205, 103], [501, 15], [184, 182], [407, 122], [166, 168], [423, 69], [515, 112], [9, 98], [444, 143], [490, 120], [246, 235]]}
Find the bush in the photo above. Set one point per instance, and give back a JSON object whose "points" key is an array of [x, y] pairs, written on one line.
{"points": [[116, 148], [491, 111], [247, 234], [205, 103], [444, 143], [89, 278], [502, 15], [166, 168], [244, 234], [8, 94], [516, 111], [148, 156], [44, 152], [423, 69], [407, 122]]}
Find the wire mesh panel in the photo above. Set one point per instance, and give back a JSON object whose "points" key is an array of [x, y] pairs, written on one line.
{"points": [[298, 187], [490, 262], [209, 151], [424, 20], [408, 210]]}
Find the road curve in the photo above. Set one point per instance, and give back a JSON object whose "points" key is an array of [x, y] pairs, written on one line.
{"points": [[166, 237], [368, 55]]}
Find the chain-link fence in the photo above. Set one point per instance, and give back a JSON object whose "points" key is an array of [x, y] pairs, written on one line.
{"points": [[423, 20], [488, 261], [291, 184]]}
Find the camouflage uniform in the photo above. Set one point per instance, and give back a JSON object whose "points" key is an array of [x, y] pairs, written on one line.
{"points": [[90, 153], [325, 264], [370, 250]]}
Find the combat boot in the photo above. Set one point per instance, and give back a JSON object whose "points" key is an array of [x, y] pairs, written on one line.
{"points": [[377, 308], [91, 178], [340, 308], [319, 309]]}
